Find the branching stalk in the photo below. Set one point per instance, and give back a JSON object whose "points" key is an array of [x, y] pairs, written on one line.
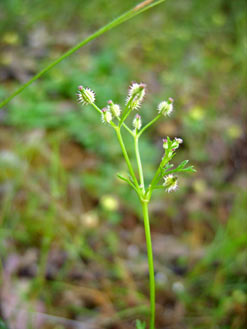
{"points": [[126, 157], [149, 124], [112, 116]]}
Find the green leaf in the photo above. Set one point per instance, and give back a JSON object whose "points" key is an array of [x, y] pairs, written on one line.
{"points": [[127, 181], [182, 164], [168, 166], [123, 178], [140, 324], [182, 168], [189, 169]]}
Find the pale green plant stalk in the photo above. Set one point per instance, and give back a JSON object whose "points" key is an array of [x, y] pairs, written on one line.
{"points": [[112, 115], [138, 9]]}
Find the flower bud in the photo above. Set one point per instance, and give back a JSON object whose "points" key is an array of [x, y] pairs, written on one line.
{"points": [[85, 95], [137, 122], [176, 142], [166, 107], [165, 143], [135, 95], [114, 108], [106, 115], [170, 183]]}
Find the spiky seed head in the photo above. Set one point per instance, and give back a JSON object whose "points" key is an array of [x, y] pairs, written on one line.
{"points": [[135, 96], [106, 115], [137, 122], [114, 108], [166, 107], [85, 95], [170, 183]]}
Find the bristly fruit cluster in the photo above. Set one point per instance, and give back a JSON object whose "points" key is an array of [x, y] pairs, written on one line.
{"points": [[113, 115]]}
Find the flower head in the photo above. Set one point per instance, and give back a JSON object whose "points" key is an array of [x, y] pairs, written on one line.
{"points": [[85, 95], [137, 122], [166, 107], [170, 183], [114, 108], [106, 115], [135, 95], [176, 142], [172, 144]]}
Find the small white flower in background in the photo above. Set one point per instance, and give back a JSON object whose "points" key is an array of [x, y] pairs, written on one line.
{"points": [[161, 278], [178, 287], [9, 159], [85, 95], [133, 251], [137, 122], [166, 107], [114, 108], [170, 183], [109, 202], [136, 94], [106, 115], [89, 219]]}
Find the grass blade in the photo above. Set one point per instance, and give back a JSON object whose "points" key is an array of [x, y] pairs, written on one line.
{"points": [[138, 9]]}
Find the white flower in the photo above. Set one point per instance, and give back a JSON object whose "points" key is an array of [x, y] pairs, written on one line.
{"points": [[136, 94], [85, 95], [176, 142], [179, 140], [170, 183], [178, 287], [106, 115], [137, 122], [166, 107]]}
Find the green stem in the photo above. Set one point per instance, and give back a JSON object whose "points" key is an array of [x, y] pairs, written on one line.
{"points": [[126, 127], [150, 264], [149, 124], [139, 163], [125, 114], [156, 177], [143, 6], [158, 172], [97, 108], [125, 154]]}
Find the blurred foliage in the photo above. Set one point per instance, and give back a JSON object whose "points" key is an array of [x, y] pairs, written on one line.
{"points": [[63, 210]]}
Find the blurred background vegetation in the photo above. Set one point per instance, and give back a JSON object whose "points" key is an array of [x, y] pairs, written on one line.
{"points": [[72, 243]]}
